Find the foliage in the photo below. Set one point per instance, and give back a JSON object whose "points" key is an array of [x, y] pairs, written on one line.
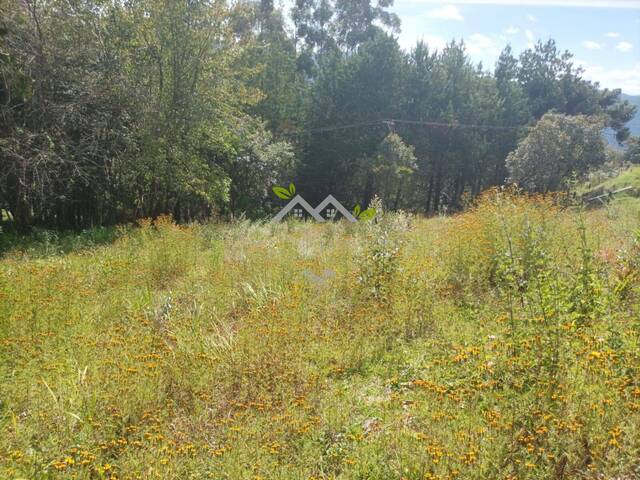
{"points": [[557, 147], [258, 161], [632, 153], [326, 26], [113, 111], [392, 168], [348, 90], [119, 110]]}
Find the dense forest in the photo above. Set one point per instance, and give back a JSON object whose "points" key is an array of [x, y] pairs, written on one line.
{"points": [[112, 110]]}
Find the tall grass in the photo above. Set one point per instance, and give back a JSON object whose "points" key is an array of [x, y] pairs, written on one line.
{"points": [[499, 343]]}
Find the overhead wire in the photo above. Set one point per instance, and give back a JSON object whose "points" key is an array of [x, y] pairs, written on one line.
{"points": [[389, 123]]}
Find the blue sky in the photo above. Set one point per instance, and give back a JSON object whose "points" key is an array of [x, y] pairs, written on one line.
{"points": [[603, 35]]}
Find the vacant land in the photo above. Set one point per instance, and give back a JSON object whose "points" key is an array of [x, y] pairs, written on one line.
{"points": [[499, 343]]}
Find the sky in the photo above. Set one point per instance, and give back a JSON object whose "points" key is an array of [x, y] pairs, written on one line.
{"points": [[603, 35]]}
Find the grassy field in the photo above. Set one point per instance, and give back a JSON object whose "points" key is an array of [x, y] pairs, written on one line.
{"points": [[499, 343], [628, 178]]}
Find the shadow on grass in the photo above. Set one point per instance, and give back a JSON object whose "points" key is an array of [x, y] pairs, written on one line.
{"points": [[41, 242]]}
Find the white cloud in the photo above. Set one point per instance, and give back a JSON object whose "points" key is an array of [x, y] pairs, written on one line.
{"points": [[546, 3], [627, 79], [481, 44], [446, 12], [612, 35], [511, 30], [591, 45], [624, 47], [531, 18]]}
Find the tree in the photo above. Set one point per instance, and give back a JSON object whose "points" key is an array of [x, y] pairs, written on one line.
{"points": [[632, 153], [116, 110], [258, 163], [272, 53], [444, 90], [552, 81], [113, 110], [355, 90], [312, 21], [357, 21], [185, 85], [558, 147], [392, 168], [63, 125], [514, 111]]}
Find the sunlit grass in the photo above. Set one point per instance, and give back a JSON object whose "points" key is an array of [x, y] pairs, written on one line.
{"points": [[499, 343], [628, 178]]}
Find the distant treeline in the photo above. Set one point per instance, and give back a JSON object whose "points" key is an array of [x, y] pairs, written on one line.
{"points": [[112, 111]]}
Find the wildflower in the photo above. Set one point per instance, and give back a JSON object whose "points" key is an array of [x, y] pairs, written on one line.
{"points": [[615, 434], [470, 457], [16, 454]]}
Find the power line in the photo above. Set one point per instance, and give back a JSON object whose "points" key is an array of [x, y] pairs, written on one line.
{"points": [[391, 122], [371, 123], [461, 125]]}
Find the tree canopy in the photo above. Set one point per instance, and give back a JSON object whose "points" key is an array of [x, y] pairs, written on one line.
{"points": [[112, 111], [557, 147]]}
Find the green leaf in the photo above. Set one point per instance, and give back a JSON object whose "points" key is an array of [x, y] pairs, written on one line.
{"points": [[356, 211], [368, 214], [292, 189], [282, 192]]}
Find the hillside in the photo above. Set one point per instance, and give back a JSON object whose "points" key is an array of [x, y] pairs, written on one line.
{"points": [[628, 178], [630, 198], [499, 343]]}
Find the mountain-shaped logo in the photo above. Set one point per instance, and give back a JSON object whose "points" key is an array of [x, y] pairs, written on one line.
{"points": [[299, 205]]}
